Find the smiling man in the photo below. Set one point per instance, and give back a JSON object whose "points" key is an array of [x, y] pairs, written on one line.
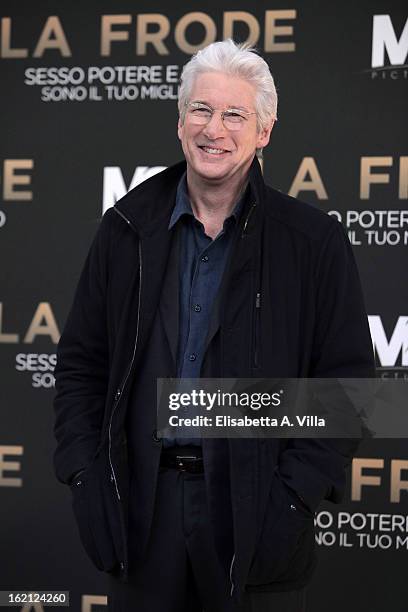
{"points": [[205, 271], [220, 130]]}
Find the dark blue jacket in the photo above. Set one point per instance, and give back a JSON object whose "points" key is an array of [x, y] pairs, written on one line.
{"points": [[290, 305]]}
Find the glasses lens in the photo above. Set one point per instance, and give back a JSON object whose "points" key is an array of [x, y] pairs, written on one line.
{"points": [[233, 117], [199, 114], [234, 120]]}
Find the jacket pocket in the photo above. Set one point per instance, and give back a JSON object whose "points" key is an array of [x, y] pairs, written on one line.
{"points": [[92, 515], [285, 547]]}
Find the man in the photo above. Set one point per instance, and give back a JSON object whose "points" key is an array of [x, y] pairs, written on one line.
{"points": [[203, 270]]}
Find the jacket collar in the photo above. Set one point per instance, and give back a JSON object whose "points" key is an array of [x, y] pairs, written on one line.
{"points": [[183, 204], [151, 203]]}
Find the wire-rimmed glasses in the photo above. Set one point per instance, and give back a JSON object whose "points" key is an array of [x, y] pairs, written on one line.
{"points": [[232, 118]]}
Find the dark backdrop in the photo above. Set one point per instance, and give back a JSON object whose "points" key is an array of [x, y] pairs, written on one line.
{"points": [[69, 150]]}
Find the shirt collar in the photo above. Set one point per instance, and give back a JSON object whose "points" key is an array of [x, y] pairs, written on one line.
{"points": [[183, 204]]}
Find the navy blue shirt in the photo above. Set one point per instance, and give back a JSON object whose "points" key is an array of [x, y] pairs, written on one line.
{"points": [[201, 265]]}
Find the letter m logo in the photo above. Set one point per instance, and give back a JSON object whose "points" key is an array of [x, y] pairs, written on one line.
{"points": [[114, 186], [384, 38], [386, 350]]}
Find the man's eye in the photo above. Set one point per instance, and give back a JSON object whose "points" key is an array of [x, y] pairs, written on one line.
{"points": [[201, 112], [233, 116]]}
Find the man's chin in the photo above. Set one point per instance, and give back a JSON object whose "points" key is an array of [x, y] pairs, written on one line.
{"points": [[215, 172]]}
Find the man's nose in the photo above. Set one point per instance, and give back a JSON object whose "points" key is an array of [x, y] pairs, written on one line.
{"points": [[215, 127]]}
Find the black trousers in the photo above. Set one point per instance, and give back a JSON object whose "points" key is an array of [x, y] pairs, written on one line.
{"points": [[181, 571]]}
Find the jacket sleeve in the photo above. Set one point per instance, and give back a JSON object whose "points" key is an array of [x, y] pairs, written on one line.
{"points": [[82, 368], [342, 348]]}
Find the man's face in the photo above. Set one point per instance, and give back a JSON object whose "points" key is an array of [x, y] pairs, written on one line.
{"points": [[234, 149]]}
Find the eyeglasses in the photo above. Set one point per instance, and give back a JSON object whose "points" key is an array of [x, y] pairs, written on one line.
{"points": [[201, 114]]}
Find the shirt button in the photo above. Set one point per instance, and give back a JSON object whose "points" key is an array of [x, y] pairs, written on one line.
{"points": [[197, 307], [204, 258], [192, 357]]}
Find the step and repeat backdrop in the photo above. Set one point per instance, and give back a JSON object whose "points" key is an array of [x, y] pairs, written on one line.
{"points": [[88, 109]]}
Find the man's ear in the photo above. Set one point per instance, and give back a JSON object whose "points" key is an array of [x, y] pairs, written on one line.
{"points": [[264, 136], [179, 128]]}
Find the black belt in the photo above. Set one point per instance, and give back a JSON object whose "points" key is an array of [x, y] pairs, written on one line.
{"points": [[183, 459]]}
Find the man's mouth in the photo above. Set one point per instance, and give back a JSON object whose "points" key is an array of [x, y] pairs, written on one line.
{"points": [[213, 150]]}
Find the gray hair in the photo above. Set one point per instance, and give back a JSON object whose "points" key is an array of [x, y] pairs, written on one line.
{"points": [[239, 60]]}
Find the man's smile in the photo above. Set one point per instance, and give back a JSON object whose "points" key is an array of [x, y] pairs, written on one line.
{"points": [[213, 150]]}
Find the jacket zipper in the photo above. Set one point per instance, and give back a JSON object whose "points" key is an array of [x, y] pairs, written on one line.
{"points": [[230, 574], [247, 219], [257, 304], [257, 300], [119, 392], [256, 329]]}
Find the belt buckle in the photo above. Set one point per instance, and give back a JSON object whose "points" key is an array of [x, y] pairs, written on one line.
{"points": [[180, 463]]}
